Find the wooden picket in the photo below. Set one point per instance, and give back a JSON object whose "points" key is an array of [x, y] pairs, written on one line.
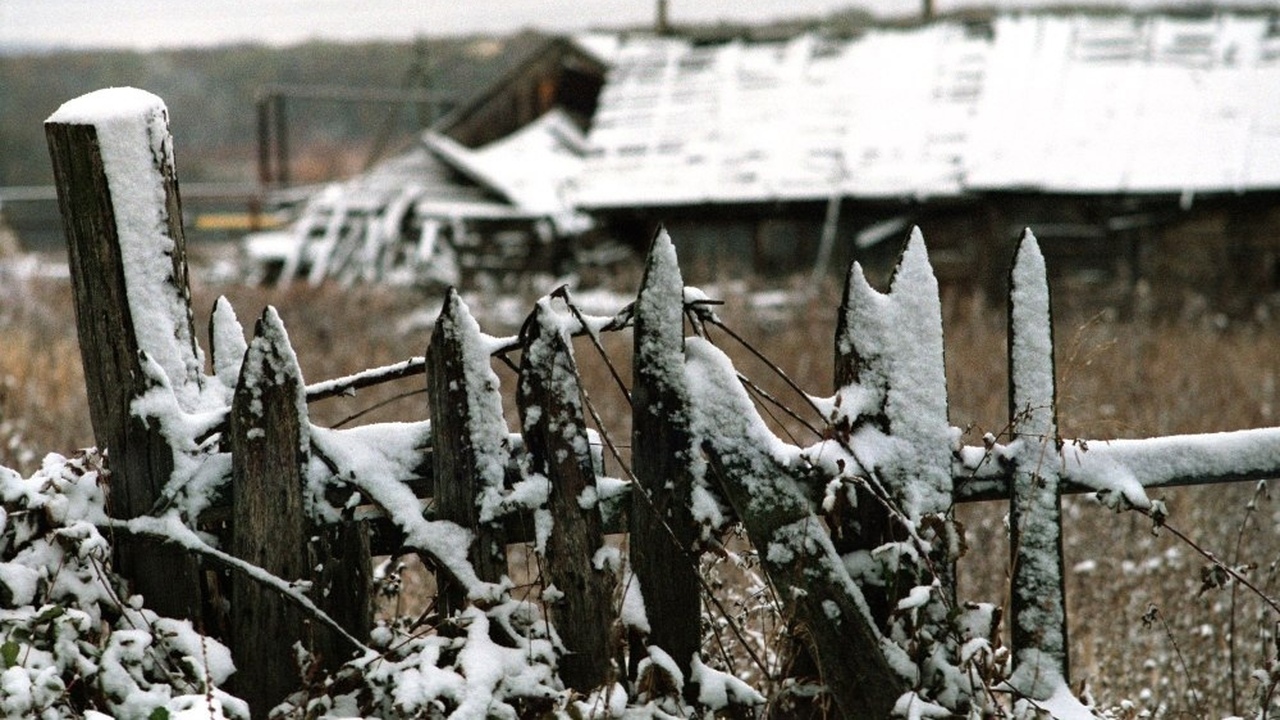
{"points": [[270, 451], [555, 431], [661, 522], [1038, 615], [464, 469]]}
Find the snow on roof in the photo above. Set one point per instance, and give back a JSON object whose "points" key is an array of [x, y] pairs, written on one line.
{"points": [[416, 172], [1051, 102], [522, 175], [1157, 104], [346, 228], [530, 167], [603, 46]]}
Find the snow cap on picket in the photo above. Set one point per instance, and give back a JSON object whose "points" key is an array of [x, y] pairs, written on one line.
{"points": [[132, 131]]}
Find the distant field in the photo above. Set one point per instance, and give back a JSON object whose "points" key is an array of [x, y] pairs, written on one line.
{"points": [[1116, 379]]}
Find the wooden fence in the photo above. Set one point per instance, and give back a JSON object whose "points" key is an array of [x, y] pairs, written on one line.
{"points": [[889, 454]]}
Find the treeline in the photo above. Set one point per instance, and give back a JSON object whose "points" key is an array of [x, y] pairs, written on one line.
{"points": [[214, 90]]}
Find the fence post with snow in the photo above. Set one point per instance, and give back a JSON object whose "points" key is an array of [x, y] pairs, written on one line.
{"points": [[468, 442], [661, 523], [579, 566], [118, 195], [1037, 612], [270, 450]]}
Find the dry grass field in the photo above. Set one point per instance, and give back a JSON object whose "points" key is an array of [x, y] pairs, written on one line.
{"points": [[1117, 378]]}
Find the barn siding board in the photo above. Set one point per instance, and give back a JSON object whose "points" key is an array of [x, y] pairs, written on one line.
{"points": [[544, 72]]}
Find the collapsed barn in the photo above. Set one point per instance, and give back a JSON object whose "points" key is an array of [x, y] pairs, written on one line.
{"points": [[1144, 150], [482, 192], [1138, 147]]}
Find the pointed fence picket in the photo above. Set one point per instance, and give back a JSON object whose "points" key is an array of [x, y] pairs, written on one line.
{"points": [[1038, 615], [468, 436], [578, 563], [270, 451], [661, 522], [689, 406]]}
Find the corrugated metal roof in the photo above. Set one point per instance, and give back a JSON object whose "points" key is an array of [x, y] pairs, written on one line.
{"points": [[1070, 103]]}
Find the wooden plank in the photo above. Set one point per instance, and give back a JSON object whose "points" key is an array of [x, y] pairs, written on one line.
{"points": [[1204, 459], [889, 353], [140, 459], [555, 433], [1038, 604], [270, 449], [468, 440], [341, 573], [810, 577], [663, 532]]}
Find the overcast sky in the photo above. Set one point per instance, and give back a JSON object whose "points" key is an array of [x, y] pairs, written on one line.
{"points": [[156, 23], [147, 24]]}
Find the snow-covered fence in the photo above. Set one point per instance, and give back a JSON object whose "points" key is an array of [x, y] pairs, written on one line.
{"points": [[152, 405], [855, 531], [127, 247]]}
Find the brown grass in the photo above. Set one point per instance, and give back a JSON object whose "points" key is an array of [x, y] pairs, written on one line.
{"points": [[1117, 379]]}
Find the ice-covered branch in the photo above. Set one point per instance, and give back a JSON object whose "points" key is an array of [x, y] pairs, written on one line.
{"points": [[170, 529]]}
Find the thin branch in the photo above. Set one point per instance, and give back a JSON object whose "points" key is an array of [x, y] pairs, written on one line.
{"points": [[1153, 613], [173, 531], [1259, 490], [766, 396], [1235, 574], [595, 340], [378, 405], [769, 363], [365, 378]]}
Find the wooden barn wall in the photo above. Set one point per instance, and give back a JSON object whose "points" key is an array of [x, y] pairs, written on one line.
{"points": [[559, 75], [1223, 251]]}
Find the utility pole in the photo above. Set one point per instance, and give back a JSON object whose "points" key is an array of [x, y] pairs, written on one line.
{"points": [[661, 26], [927, 11]]}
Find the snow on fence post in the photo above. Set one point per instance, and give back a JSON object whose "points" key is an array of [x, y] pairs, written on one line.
{"points": [[226, 343], [118, 195], [270, 451], [468, 441], [859, 521], [1037, 612], [892, 382], [662, 528], [767, 492], [579, 567]]}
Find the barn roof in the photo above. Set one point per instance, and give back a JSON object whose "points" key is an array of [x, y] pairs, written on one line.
{"points": [[1054, 103], [530, 168]]}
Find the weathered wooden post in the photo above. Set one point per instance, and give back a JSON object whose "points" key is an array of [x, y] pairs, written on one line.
{"points": [[1038, 605], [118, 194], [889, 350], [662, 528], [468, 441], [795, 549], [270, 449], [555, 432]]}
